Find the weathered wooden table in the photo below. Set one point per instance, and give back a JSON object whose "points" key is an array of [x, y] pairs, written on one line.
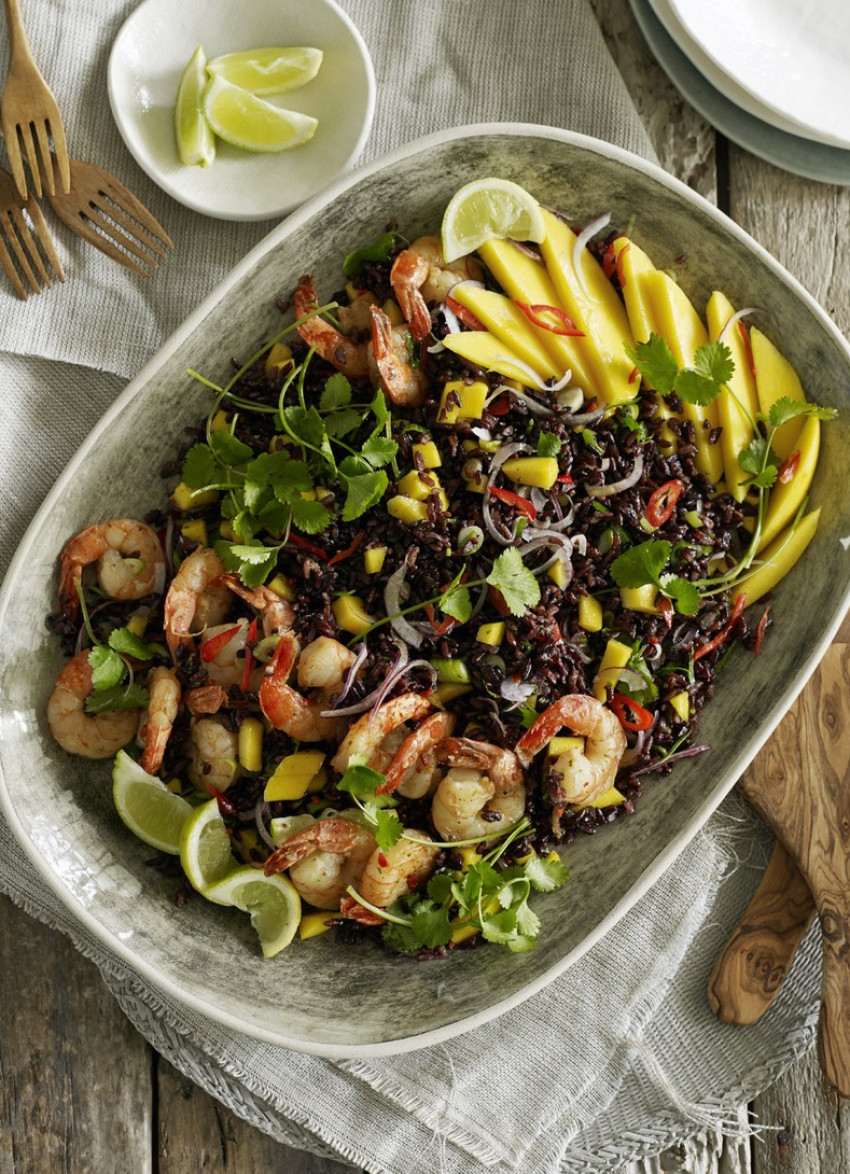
{"points": [[82, 1093]]}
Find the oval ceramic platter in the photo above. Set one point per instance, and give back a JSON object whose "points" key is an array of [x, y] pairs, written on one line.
{"points": [[315, 996]]}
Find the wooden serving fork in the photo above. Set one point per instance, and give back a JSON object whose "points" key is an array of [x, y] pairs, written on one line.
{"points": [[20, 255], [106, 214], [28, 108]]}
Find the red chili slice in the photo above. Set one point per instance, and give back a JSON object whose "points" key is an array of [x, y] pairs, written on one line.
{"points": [[440, 626], [565, 479], [788, 469], [310, 547], [760, 631], [663, 502], [214, 645], [382, 860], [725, 631], [500, 406], [463, 314], [525, 507], [349, 550], [630, 714], [748, 346], [551, 318], [609, 260], [620, 257]]}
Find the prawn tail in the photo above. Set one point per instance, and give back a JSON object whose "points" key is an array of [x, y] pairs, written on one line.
{"points": [[350, 908]]}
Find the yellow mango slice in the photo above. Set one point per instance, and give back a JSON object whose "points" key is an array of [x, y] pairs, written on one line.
{"points": [[487, 351], [506, 320], [779, 558], [615, 657], [592, 303], [292, 775], [737, 403], [526, 280], [632, 262], [785, 500], [776, 379], [681, 326]]}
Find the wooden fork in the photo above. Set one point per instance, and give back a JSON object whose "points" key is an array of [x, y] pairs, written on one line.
{"points": [[107, 215], [18, 244], [28, 108]]}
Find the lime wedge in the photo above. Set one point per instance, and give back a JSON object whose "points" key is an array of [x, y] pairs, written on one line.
{"points": [[151, 812], [273, 70], [272, 901], [195, 141], [205, 848], [486, 209], [246, 121]]}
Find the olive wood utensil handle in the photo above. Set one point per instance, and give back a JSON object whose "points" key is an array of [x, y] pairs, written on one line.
{"points": [[800, 785], [748, 974]]}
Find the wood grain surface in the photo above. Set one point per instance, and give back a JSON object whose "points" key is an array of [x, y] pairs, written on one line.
{"points": [[82, 1093]]}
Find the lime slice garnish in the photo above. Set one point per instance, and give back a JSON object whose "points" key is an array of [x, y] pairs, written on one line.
{"points": [[205, 848], [195, 141], [486, 209], [246, 121], [272, 901], [273, 70], [151, 812]]}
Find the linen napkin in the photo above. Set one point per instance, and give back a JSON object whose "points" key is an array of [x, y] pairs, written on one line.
{"points": [[570, 1078]]}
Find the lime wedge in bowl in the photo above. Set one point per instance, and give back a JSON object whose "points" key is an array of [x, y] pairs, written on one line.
{"points": [[205, 848], [272, 901], [272, 70], [195, 139], [244, 120]]}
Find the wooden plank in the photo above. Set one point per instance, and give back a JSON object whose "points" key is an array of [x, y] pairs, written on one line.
{"points": [[197, 1133], [809, 1125], [69, 1061]]}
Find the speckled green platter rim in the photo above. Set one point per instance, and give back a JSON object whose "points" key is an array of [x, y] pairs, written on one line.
{"points": [[316, 997]]}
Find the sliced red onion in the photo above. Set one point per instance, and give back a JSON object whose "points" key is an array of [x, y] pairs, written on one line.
{"points": [[630, 679], [394, 604], [482, 433], [435, 348], [392, 678], [516, 691], [534, 379], [580, 420], [583, 239], [736, 317], [350, 676], [618, 486], [579, 542], [260, 813], [522, 247], [571, 398], [498, 459], [397, 667], [689, 752], [452, 321], [636, 748]]}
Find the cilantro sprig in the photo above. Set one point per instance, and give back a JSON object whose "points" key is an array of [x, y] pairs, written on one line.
{"points": [[112, 684], [701, 384], [643, 565]]}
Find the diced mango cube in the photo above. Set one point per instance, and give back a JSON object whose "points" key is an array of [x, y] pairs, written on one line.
{"points": [[407, 509], [250, 745], [610, 798], [590, 614], [639, 598], [615, 657], [472, 398], [351, 615], [563, 743], [412, 485], [681, 703], [392, 311], [373, 559], [283, 587], [195, 531], [278, 358], [429, 453], [492, 634], [220, 421], [313, 924], [558, 574], [292, 776], [541, 472], [184, 498]]}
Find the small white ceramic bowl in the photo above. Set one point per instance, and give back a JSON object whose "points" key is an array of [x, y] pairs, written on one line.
{"points": [[145, 66], [317, 996]]}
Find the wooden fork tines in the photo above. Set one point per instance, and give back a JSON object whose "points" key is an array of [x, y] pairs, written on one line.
{"points": [[25, 258], [29, 115], [106, 214]]}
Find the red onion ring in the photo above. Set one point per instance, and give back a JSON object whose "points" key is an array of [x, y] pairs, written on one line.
{"points": [[584, 237], [618, 486]]}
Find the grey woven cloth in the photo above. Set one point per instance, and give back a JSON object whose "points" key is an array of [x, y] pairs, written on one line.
{"points": [[620, 1055]]}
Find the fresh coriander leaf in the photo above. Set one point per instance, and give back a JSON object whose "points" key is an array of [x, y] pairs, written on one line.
{"points": [[362, 492], [379, 409], [199, 467], [589, 438], [756, 456], [455, 602], [388, 828], [308, 426], [117, 697], [685, 596], [254, 563], [274, 517], [785, 409], [336, 393], [440, 887], [380, 249], [548, 445], [694, 388], [431, 925], [527, 921], [500, 927], [309, 516], [528, 714], [123, 640], [379, 451], [544, 875], [518, 586], [766, 477], [228, 449], [360, 780], [714, 361], [342, 423], [401, 938], [291, 480], [641, 565], [655, 362], [107, 668], [354, 465]]}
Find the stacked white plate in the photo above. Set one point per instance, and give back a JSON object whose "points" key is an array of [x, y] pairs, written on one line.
{"points": [[771, 75]]}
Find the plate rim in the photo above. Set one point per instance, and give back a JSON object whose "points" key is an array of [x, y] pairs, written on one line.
{"points": [[670, 851], [204, 208]]}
